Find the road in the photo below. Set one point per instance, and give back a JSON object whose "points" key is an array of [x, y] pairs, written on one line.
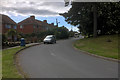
{"points": [[61, 60]]}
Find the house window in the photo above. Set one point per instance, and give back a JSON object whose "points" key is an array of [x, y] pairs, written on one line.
{"points": [[21, 26], [47, 28], [15, 27], [34, 26], [8, 26]]}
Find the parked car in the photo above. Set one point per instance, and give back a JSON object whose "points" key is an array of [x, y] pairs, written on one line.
{"points": [[50, 39]]}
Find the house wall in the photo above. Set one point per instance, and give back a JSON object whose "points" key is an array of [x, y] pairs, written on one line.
{"points": [[5, 30], [27, 29]]}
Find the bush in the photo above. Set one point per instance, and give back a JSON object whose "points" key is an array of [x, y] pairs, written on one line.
{"points": [[59, 32]]}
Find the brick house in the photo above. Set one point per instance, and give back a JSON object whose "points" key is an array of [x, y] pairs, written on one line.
{"points": [[7, 23], [32, 25]]}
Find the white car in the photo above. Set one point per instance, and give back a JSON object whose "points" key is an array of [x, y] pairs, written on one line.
{"points": [[49, 39]]}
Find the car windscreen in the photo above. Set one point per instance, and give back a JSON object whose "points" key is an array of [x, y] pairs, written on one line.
{"points": [[48, 38]]}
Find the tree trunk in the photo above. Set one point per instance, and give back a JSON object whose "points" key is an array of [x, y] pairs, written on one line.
{"points": [[95, 20], [12, 38]]}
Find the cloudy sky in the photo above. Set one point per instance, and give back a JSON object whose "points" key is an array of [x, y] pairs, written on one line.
{"points": [[48, 10]]}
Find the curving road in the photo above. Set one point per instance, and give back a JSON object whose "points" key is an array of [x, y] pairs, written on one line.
{"points": [[61, 60]]}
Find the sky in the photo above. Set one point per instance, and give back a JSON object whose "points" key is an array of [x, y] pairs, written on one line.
{"points": [[49, 10]]}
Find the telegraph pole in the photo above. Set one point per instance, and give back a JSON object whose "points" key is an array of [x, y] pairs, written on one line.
{"points": [[57, 22]]}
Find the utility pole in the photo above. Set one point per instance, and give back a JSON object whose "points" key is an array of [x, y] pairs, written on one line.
{"points": [[71, 28], [57, 22]]}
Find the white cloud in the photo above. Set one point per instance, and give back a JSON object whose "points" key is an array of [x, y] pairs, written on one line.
{"points": [[36, 7]]}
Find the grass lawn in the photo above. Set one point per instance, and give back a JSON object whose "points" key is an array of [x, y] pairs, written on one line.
{"points": [[100, 46], [0, 64], [8, 68]]}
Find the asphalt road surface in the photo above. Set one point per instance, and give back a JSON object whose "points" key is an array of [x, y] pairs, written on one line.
{"points": [[61, 60]]}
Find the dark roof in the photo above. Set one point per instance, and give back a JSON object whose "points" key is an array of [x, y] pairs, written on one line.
{"points": [[7, 20]]}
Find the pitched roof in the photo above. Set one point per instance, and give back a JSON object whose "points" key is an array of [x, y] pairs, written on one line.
{"points": [[29, 20], [39, 22], [7, 20], [32, 20]]}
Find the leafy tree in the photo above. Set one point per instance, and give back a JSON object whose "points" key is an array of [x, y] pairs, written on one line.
{"points": [[81, 15], [61, 32], [109, 17], [12, 33], [71, 33]]}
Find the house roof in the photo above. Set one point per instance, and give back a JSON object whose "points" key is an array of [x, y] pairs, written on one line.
{"points": [[7, 20], [32, 20]]}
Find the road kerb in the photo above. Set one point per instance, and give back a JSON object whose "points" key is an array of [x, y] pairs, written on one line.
{"points": [[16, 62], [102, 57]]}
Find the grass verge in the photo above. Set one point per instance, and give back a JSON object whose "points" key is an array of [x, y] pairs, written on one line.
{"points": [[106, 46], [8, 67], [0, 64]]}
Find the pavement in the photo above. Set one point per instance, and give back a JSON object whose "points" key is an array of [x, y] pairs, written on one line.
{"points": [[19, 46], [61, 60]]}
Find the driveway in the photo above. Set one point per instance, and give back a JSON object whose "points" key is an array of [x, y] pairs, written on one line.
{"points": [[61, 60]]}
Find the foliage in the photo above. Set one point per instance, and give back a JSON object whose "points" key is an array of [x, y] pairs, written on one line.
{"points": [[81, 15], [4, 38], [109, 17], [71, 33], [12, 33], [59, 32]]}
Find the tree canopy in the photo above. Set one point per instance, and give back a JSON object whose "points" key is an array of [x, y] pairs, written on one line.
{"points": [[81, 15]]}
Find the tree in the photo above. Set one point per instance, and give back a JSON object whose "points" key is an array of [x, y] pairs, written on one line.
{"points": [[86, 16], [109, 17], [81, 15], [12, 33], [94, 14], [59, 32]]}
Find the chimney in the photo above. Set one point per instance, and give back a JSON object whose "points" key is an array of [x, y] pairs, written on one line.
{"points": [[45, 21], [32, 17], [52, 24]]}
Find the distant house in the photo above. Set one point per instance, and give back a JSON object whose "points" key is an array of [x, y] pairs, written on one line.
{"points": [[32, 25], [7, 23]]}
